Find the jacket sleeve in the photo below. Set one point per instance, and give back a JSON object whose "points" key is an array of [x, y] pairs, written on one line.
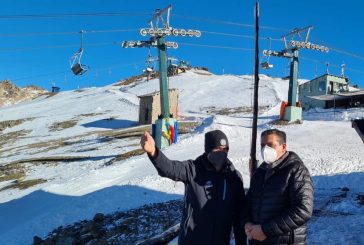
{"points": [[301, 205], [175, 170], [240, 213]]}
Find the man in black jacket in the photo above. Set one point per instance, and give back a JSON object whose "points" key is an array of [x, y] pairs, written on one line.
{"points": [[280, 197], [214, 191]]}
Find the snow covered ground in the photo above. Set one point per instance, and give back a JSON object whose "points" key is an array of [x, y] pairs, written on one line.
{"points": [[78, 189]]}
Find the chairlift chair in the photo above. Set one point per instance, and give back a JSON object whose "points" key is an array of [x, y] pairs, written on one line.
{"points": [[79, 69], [76, 66], [149, 69], [266, 65], [150, 62]]}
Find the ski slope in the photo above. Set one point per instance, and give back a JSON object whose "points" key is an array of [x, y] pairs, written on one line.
{"points": [[78, 189]]}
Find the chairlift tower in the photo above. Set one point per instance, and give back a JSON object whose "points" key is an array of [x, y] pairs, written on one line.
{"points": [[165, 125], [293, 112]]}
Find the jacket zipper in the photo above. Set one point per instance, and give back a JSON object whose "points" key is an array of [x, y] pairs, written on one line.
{"points": [[262, 192], [260, 201], [224, 194]]}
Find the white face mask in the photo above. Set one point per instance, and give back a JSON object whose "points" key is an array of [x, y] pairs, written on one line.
{"points": [[269, 154]]}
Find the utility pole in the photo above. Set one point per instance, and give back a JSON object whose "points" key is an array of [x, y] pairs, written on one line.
{"points": [[253, 159], [343, 70], [164, 128], [292, 112]]}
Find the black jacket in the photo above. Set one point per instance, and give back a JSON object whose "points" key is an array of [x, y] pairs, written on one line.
{"points": [[212, 201], [280, 199]]}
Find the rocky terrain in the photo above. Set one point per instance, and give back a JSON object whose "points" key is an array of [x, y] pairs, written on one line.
{"points": [[11, 94]]}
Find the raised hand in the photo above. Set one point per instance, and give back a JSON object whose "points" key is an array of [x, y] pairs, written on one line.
{"points": [[148, 144]]}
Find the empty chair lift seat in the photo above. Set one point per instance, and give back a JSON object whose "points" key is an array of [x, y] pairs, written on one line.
{"points": [[79, 69]]}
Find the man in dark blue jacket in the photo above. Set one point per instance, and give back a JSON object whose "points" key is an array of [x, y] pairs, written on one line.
{"points": [[214, 191]]}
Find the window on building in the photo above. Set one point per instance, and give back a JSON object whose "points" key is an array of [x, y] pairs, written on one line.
{"points": [[330, 88], [341, 88], [322, 86]]}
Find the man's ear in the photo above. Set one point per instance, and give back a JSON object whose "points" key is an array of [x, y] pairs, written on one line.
{"points": [[284, 145]]}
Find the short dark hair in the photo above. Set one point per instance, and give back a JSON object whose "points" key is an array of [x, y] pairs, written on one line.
{"points": [[281, 135]]}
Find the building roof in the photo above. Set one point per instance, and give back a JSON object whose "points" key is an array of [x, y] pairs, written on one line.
{"points": [[324, 75], [353, 93], [341, 96], [328, 97], [155, 93]]}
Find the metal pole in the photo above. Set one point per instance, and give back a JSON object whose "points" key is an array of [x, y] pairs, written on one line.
{"points": [[334, 107], [253, 159], [82, 31], [293, 78], [163, 83]]}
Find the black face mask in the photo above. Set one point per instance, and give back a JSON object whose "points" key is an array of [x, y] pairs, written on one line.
{"points": [[217, 159]]}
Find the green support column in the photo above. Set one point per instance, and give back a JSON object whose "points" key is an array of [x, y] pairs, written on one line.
{"points": [[163, 82], [162, 126], [292, 91], [292, 113]]}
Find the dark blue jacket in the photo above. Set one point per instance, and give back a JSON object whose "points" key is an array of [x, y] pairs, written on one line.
{"points": [[213, 200]]}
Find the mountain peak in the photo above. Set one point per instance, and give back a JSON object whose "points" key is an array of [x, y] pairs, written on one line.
{"points": [[11, 94]]}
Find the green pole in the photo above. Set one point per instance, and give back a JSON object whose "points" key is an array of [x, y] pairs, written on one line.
{"points": [[163, 83], [293, 79]]}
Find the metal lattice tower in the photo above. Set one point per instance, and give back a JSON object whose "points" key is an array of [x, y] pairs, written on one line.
{"points": [[159, 29], [291, 51]]}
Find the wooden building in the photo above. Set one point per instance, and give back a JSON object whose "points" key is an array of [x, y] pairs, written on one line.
{"points": [[150, 106]]}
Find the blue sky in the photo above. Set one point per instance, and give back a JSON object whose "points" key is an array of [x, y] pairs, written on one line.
{"points": [[26, 57]]}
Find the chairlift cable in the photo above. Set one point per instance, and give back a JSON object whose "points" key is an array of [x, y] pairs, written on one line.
{"points": [[99, 68], [215, 46], [114, 14], [347, 53], [106, 14], [229, 22], [344, 52], [238, 35], [36, 34], [117, 43], [64, 33], [118, 30], [66, 15], [331, 64], [56, 46], [112, 43]]}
